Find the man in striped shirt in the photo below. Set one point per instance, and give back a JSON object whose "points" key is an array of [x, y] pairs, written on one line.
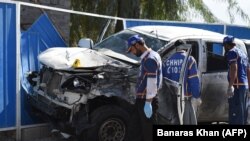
{"points": [[148, 83], [238, 78]]}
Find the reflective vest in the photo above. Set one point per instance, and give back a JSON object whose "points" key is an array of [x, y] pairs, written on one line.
{"points": [[151, 66], [172, 69], [235, 55]]}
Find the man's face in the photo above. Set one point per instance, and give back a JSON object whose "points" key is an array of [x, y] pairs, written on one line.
{"points": [[135, 50], [227, 47]]}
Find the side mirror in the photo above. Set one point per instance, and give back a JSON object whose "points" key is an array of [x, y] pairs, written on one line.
{"points": [[86, 43]]}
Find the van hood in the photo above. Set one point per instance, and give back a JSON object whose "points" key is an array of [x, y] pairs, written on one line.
{"points": [[71, 58]]}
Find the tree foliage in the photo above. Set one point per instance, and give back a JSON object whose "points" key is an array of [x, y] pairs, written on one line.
{"points": [[172, 10], [233, 6], [86, 26]]}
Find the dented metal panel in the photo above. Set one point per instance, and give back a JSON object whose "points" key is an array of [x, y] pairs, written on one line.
{"points": [[65, 59], [214, 105]]}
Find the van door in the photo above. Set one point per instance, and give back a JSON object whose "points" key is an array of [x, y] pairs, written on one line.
{"points": [[214, 84]]}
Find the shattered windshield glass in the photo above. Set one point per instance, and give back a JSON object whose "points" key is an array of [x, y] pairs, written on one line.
{"points": [[118, 43]]}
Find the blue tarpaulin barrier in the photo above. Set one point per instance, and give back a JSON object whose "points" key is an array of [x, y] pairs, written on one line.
{"points": [[40, 36], [7, 65]]}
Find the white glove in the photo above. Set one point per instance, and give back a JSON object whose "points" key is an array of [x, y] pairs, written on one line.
{"points": [[230, 92], [196, 102]]}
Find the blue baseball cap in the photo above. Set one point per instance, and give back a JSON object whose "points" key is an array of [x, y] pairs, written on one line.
{"points": [[228, 40], [132, 40]]}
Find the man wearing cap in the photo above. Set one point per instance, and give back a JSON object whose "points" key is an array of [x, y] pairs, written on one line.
{"points": [[238, 78], [148, 83], [172, 69]]}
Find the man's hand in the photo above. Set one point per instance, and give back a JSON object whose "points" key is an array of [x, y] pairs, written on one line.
{"points": [[196, 102], [230, 92], [148, 109]]}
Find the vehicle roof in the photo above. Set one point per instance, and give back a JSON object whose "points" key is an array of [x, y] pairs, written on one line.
{"points": [[246, 41], [171, 32]]}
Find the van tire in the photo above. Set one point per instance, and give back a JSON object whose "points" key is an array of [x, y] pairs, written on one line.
{"points": [[109, 122]]}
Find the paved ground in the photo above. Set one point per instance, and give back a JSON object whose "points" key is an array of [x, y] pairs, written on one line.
{"points": [[56, 136], [5, 136]]}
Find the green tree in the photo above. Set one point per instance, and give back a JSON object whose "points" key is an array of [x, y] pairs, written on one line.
{"points": [[172, 10], [233, 6], [86, 26]]}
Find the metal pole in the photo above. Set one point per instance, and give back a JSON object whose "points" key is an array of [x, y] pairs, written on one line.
{"points": [[18, 86], [225, 29], [70, 11]]}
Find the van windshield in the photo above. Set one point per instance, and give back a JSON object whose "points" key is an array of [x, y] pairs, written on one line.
{"points": [[118, 42]]}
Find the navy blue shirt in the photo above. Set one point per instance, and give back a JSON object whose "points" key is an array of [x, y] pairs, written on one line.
{"points": [[235, 55]]}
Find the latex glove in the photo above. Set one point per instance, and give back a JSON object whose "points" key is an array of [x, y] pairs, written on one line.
{"points": [[196, 102], [230, 92], [148, 109]]}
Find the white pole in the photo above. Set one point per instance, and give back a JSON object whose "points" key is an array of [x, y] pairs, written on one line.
{"points": [[225, 29], [124, 24], [69, 11], [18, 86]]}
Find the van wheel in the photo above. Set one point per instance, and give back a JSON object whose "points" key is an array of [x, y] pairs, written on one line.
{"points": [[110, 123]]}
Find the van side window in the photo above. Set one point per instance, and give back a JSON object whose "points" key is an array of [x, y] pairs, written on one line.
{"points": [[215, 57], [195, 50]]}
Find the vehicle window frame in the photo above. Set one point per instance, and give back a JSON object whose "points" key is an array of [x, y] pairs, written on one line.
{"points": [[218, 61], [195, 50]]}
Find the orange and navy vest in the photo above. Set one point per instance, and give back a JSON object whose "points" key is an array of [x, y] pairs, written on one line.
{"points": [[235, 55], [151, 66]]}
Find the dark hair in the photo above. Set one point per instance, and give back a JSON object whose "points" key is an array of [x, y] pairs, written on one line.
{"points": [[179, 42], [140, 42]]}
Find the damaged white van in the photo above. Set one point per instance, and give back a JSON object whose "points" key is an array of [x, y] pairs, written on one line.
{"points": [[90, 91]]}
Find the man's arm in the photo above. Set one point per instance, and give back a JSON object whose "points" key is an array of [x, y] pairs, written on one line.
{"points": [[151, 68], [232, 58], [248, 75], [248, 78], [193, 78], [232, 73], [194, 84]]}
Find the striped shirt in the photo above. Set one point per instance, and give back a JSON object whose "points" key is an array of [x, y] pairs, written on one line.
{"points": [[150, 75]]}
